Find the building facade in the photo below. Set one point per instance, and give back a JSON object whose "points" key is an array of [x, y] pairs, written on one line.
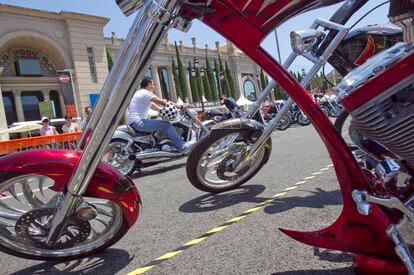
{"points": [[37, 46]]}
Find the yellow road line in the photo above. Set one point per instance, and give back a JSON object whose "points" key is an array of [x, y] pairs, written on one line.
{"points": [[279, 194], [217, 229], [169, 255], [141, 270], [195, 241], [203, 237]]}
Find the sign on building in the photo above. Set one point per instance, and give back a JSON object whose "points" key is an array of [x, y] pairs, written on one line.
{"points": [[47, 109]]}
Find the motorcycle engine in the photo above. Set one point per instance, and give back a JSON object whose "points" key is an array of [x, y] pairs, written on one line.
{"points": [[387, 118]]}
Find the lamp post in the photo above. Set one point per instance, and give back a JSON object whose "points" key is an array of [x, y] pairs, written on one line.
{"points": [[198, 77]]}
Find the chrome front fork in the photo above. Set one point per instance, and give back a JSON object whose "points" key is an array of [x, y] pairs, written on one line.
{"points": [[151, 24], [318, 61]]}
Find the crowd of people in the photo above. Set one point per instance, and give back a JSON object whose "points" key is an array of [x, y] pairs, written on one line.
{"points": [[68, 127]]}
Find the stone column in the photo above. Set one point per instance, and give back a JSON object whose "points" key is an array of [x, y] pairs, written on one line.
{"points": [[3, 120], [46, 94], [156, 78], [19, 107], [194, 43], [172, 92]]}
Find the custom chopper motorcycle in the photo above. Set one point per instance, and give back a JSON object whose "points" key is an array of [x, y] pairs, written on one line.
{"points": [[129, 149], [84, 206]]}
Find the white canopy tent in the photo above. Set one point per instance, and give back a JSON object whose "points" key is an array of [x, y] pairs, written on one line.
{"points": [[242, 101], [23, 128]]}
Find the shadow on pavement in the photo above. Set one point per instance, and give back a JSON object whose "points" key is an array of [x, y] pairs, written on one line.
{"points": [[211, 202], [108, 262], [332, 255], [318, 199], [146, 171], [341, 271], [249, 193]]}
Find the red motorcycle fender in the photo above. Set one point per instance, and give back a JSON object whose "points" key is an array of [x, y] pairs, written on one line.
{"points": [[106, 183]]}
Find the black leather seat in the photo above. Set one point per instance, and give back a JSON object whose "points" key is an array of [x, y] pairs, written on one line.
{"points": [[129, 130]]}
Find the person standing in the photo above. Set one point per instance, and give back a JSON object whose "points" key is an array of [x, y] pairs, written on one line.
{"points": [[138, 115], [88, 113], [69, 126], [47, 130]]}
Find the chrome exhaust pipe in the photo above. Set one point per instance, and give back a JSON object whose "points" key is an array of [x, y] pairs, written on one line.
{"points": [[156, 155]]}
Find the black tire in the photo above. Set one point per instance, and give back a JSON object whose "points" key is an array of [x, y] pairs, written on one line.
{"points": [[303, 120], [284, 123], [325, 111], [201, 147], [342, 129], [121, 233], [133, 165], [334, 112], [121, 230], [340, 120]]}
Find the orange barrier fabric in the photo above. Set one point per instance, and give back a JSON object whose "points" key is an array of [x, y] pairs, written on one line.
{"points": [[62, 141]]}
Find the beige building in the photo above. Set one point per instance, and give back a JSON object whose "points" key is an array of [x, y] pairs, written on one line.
{"points": [[36, 46]]}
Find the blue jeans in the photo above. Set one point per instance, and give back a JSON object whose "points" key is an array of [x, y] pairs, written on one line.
{"points": [[153, 125]]}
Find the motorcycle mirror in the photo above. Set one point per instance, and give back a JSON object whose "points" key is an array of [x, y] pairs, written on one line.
{"points": [[128, 7]]}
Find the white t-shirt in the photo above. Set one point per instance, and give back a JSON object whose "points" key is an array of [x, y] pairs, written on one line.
{"points": [[140, 105]]}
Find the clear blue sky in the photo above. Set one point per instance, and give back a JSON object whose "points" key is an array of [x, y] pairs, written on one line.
{"points": [[120, 24]]}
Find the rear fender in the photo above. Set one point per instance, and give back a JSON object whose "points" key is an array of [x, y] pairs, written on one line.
{"points": [[121, 135], [106, 183], [238, 124], [241, 124]]}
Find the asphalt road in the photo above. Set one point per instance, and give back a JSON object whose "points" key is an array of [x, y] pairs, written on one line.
{"points": [[299, 191]]}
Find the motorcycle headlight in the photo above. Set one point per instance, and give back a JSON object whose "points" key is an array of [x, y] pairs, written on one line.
{"points": [[303, 41]]}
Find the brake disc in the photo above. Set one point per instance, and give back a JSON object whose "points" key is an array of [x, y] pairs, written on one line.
{"points": [[33, 228], [224, 167]]}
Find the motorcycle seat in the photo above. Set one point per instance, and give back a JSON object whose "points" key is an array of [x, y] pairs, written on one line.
{"points": [[129, 130]]}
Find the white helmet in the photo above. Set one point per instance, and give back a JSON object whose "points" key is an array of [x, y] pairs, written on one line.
{"points": [[169, 112]]}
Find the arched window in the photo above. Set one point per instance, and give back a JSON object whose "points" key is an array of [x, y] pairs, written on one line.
{"points": [[26, 62], [9, 108], [249, 90], [54, 97], [30, 104], [164, 81]]}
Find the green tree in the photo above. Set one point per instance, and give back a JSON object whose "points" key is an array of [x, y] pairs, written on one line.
{"points": [[193, 83], [199, 84], [230, 80], [176, 80], [212, 81], [263, 79], [110, 60], [217, 72], [221, 67], [181, 74], [206, 85]]}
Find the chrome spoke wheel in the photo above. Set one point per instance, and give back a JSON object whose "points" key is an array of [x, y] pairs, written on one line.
{"points": [[118, 157], [216, 166], [27, 206]]}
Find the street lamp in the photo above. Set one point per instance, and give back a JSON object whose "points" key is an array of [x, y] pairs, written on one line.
{"points": [[198, 78]]}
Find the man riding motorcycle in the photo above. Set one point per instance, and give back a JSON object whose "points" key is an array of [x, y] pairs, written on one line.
{"points": [[138, 118]]}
